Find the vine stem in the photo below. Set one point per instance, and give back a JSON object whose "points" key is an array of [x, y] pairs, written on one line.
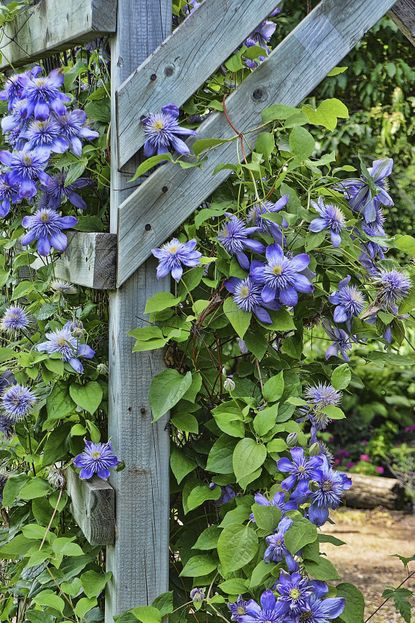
{"points": [[388, 598], [51, 519]]}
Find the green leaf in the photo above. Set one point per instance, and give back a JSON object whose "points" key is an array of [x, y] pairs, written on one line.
{"points": [[12, 488], [301, 533], [327, 113], [266, 517], [164, 603], [6, 354], [194, 388], [265, 420], [261, 571], [277, 112], [265, 144], [83, 606], [239, 319], [94, 583], [199, 495], [33, 531], [274, 388], [147, 614], [202, 144], [321, 570], [22, 289], [65, 546], [35, 488], [354, 609], [167, 388], [329, 538], [334, 413], [56, 444], [208, 539], [406, 244], [237, 546], [88, 396], [336, 71], [198, 566], [229, 418], [281, 321], [248, 456], [401, 598], [301, 142], [180, 464], [234, 586], [220, 456], [49, 599], [150, 163], [341, 377], [59, 404], [276, 446], [160, 301]]}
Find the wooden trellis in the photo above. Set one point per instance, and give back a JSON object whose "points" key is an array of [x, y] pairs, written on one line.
{"points": [[143, 80]]}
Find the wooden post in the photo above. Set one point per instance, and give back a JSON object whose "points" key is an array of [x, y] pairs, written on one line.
{"points": [[139, 558]]}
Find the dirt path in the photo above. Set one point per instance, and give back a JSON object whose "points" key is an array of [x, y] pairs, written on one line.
{"points": [[371, 538]]}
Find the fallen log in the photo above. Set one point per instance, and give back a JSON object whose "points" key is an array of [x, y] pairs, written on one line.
{"points": [[373, 491]]}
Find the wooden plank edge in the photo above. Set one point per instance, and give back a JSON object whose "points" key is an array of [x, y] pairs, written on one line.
{"points": [[92, 507], [89, 260], [403, 14], [53, 25], [171, 68]]}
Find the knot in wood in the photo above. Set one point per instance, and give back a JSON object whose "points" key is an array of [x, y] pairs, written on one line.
{"points": [[169, 70], [259, 95]]}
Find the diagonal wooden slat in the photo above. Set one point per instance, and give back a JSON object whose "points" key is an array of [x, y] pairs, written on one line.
{"points": [[182, 64], [294, 68], [403, 14], [52, 25]]}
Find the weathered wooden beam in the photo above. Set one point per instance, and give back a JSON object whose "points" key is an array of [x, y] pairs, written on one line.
{"points": [[89, 260], [403, 14], [52, 25], [139, 559], [290, 73], [183, 62], [93, 507]]}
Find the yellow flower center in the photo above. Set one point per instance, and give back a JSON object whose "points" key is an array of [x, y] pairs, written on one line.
{"points": [[294, 593], [173, 249], [158, 125], [95, 455], [277, 269], [61, 341], [244, 291], [44, 217], [27, 159], [240, 610]]}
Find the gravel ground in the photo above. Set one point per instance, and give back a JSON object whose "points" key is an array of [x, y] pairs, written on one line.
{"points": [[372, 537]]}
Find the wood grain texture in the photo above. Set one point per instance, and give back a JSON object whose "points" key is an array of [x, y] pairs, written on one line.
{"points": [[403, 14], [52, 25], [93, 507], [373, 491], [139, 559], [290, 73], [183, 62], [89, 260]]}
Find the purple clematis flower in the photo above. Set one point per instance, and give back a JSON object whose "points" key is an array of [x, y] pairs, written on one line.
{"points": [[45, 134], [276, 550], [56, 190], [256, 216], [319, 397], [294, 590], [14, 319], [268, 611], [25, 168], [328, 495], [247, 296], [64, 342], [97, 458], [278, 501], [234, 237], [173, 254], [368, 192], [43, 95], [393, 286], [260, 37], [299, 468], [317, 610], [239, 608], [163, 132], [342, 342], [349, 301], [46, 227], [74, 130], [16, 402], [8, 194], [282, 277], [331, 218]]}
